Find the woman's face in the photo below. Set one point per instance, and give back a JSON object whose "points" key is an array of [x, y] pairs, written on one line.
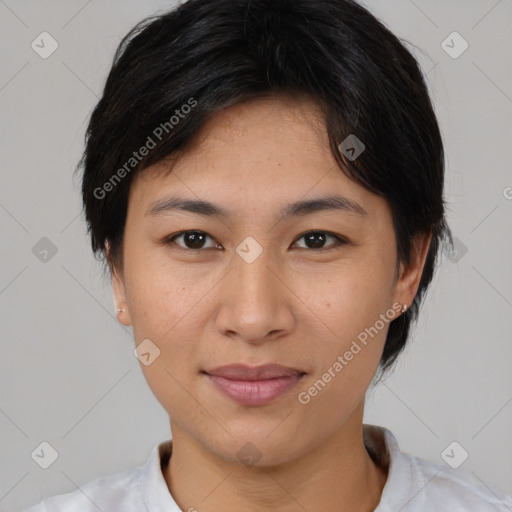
{"points": [[256, 287]]}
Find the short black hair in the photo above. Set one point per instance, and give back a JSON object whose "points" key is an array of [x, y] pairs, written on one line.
{"points": [[176, 69]]}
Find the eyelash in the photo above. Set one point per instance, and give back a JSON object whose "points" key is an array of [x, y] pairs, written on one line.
{"points": [[339, 241]]}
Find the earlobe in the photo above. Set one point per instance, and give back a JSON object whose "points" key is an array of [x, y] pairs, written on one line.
{"points": [[121, 304], [119, 290]]}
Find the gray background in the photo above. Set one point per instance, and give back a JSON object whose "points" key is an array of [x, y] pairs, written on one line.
{"points": [[67, 372]]}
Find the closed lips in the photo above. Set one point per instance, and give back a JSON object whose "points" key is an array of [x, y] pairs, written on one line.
{"points": [[252, 373], [254, 386]]}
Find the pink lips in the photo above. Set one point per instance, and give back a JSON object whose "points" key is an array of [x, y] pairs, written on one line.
{"points": [[249, 385]]}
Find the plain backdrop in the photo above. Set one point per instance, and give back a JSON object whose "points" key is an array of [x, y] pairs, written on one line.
{"points": [[68, 375]]}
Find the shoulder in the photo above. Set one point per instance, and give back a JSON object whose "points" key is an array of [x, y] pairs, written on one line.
{"points": [[457, 489], [416, 484], [133, 490], [111, 493], [108, 494]]}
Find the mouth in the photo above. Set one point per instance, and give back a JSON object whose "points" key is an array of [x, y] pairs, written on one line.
{"points": [[254, 385]]}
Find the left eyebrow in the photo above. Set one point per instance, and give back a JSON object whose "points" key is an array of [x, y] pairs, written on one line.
{"points": [[299, 208], [308, 206]]}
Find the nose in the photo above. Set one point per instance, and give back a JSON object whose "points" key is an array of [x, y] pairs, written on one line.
{"points": [[255, 302]]}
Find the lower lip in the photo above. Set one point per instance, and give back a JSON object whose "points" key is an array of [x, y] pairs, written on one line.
{"points": [[255, 392]]}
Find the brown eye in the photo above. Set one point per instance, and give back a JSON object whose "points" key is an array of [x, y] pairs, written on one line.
{"points": [[193, 240], [316, 240]]}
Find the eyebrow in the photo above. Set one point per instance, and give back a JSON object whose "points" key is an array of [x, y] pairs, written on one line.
{"points": [[297, 209]]}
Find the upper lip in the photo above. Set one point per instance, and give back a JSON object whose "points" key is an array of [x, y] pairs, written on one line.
{"points": [[246, 372]]}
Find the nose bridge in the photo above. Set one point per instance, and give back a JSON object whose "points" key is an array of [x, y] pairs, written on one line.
{"points": [[254, 303], [254, 281]]}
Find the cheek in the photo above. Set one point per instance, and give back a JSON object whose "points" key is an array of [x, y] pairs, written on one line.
{"points": [[164, 295], [169, 301], [346, 357], [348, 296], [349, 333], [166, 311]]}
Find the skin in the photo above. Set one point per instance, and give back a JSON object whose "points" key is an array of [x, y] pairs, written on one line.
{"points": [[295, 305]]}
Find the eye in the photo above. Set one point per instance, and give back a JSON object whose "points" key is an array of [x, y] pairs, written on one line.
{"points": [[193, 240], [316, 239]]}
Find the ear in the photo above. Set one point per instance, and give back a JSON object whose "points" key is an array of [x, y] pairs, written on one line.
{"points": [[119, 289], [409, 274]]}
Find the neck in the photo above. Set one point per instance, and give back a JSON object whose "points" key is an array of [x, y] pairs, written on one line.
{"points": [[338, 475]]}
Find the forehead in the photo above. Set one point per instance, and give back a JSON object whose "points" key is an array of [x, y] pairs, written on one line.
{"points": [[302, 115], [279, 131], [256, 153], [269, 128]]}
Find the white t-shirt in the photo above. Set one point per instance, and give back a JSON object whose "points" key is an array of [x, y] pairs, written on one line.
{"points": [[413, 485]]}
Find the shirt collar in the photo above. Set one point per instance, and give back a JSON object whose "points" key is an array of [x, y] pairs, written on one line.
{"points": [[405, 483], [155, 493]]}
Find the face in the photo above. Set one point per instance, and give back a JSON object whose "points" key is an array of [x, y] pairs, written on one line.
{"points": [[250, 280]]}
